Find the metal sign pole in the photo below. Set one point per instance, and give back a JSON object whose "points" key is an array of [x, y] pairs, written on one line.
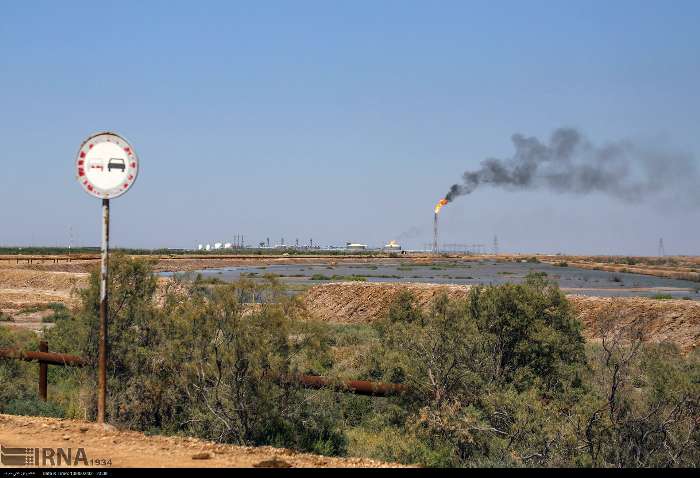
{"points": [[106, 167], [104, 310]]}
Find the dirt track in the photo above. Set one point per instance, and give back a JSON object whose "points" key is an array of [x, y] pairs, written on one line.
{"points": [[677, 321], [134, 449]]}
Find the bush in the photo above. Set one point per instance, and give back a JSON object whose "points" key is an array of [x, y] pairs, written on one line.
{"points": [[19, 379], [203, 361], [502, 379], [32, 406]]}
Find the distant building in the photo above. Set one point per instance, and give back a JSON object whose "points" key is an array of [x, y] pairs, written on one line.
{"points": [[353, 246], [200, 247], [207, 247], [392, 246], [228, 245]]}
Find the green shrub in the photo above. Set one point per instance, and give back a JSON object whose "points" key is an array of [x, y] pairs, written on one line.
{"points": [[19, 379], [500, 378], [203, 362], [485, 363], [32, 406]]}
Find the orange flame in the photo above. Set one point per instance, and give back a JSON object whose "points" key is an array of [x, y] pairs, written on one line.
{"points": [[440, 205]]}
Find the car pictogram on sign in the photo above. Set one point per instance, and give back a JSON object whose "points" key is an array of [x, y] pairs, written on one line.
{"points": [[116, 163], [106, 165]]}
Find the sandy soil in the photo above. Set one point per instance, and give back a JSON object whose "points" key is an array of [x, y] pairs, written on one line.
{"points": [[25, 294], [677, 321], [133, 449]]}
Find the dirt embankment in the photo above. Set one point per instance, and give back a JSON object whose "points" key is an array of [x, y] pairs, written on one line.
{"points": [[21, 288], [128, 449], [26, 294], [677, 321]]}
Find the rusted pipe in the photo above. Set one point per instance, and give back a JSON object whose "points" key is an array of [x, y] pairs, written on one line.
{"points": [[358, 387], [45, 357]]}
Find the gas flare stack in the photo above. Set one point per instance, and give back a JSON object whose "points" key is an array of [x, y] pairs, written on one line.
{"points": [[439, 206]]}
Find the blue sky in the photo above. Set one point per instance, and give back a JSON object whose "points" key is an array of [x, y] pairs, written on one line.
{"points": [[341, 121]]}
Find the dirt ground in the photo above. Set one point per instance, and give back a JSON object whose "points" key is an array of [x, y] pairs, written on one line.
{"points": [[25, 294], [677, 321], [128, 449]]}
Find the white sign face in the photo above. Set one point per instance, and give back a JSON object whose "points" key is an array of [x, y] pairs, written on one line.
{"points": [[106, 165]]}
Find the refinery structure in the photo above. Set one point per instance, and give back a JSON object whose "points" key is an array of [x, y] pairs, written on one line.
{"points": [[391, 247], [238, 243]]}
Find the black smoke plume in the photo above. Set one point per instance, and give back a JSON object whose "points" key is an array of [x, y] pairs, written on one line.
{"points": [[570, 163]]}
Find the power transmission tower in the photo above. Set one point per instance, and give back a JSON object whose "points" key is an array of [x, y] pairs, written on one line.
{"points": [[662, 252], [495, 245]]}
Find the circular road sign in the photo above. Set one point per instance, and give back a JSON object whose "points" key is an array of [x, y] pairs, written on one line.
{"points": [[106, 166]]}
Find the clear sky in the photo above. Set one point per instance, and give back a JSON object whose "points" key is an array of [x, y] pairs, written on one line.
{"points": [[341, 121]]}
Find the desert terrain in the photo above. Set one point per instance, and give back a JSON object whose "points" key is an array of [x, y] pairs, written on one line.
{"points": [[129, 449], [28, 286], [29, 290]]}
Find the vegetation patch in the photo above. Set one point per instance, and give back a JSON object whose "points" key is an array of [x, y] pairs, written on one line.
{"points": [[499, 377]]}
